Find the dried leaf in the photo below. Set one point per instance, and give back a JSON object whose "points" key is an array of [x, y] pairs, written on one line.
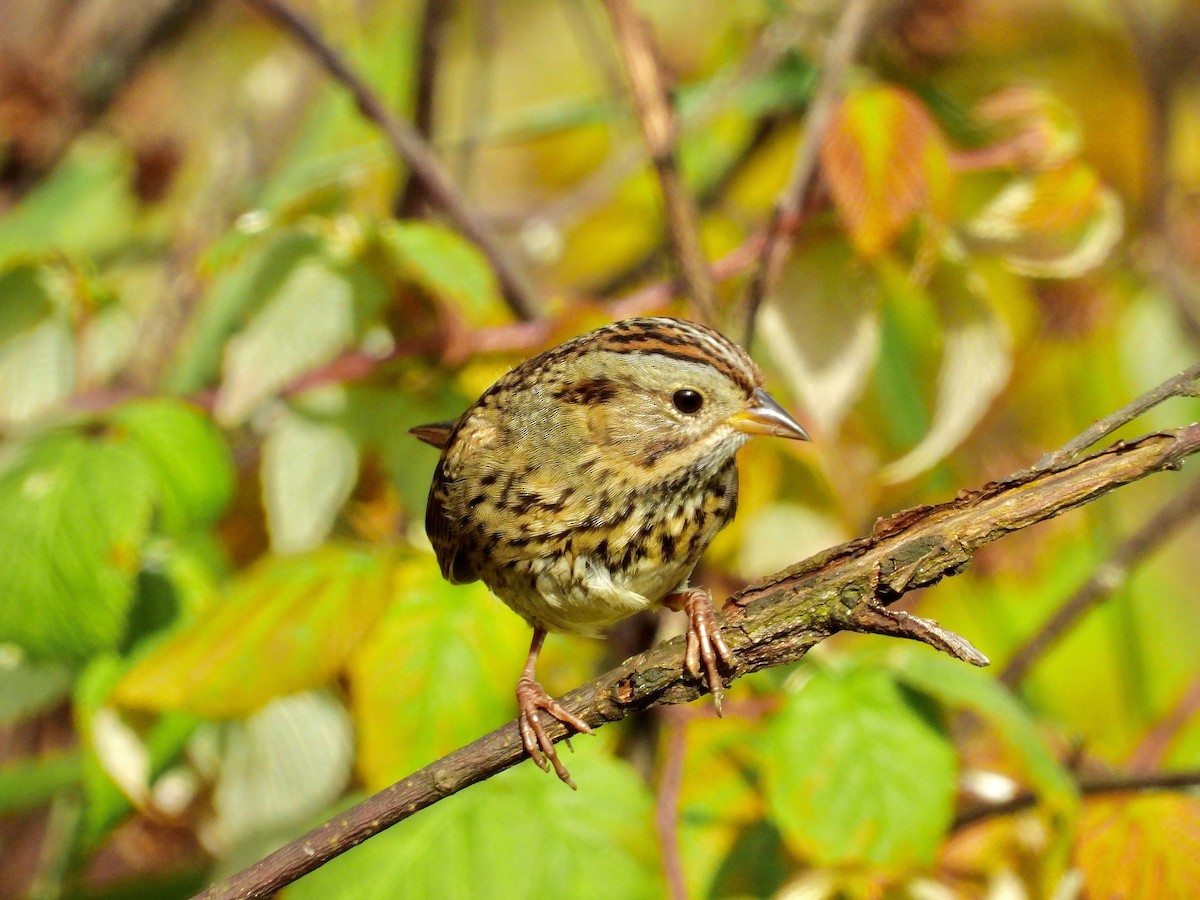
{"points": [[1060, 223], [884, 160]]}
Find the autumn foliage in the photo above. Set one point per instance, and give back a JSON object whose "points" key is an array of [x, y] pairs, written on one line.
{"points": [[226, 294]]}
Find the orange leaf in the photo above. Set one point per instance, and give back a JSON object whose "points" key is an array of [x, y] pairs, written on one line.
{"points": [[884, 161], [1145, 845]]}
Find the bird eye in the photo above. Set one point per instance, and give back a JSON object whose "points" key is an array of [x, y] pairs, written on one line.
{"points": [[688, 401]]}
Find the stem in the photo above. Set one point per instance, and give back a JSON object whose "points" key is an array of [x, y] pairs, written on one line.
{"points": [[407, 143]]}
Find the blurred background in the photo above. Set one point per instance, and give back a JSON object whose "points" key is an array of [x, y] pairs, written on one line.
{"points": [[224, 300]]}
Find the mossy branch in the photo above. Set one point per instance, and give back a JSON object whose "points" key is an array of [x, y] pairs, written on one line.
{"points": [[771, 623]]}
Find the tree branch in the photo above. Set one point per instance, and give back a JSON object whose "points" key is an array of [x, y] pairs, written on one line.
{"points": [[661, 130], [843, 47], [1182, 385], [407, 143], [773, 622], [1107, 784], [1109, 576], [434, 17]]}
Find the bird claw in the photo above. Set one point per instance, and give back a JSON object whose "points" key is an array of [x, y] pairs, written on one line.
{"points": [[704, 642], [532, 697]]}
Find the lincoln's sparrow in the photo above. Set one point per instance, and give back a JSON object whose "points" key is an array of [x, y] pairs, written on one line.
{"points": [[584, 485]]}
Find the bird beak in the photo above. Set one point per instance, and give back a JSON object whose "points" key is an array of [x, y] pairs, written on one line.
{"points": [[766, 416]]}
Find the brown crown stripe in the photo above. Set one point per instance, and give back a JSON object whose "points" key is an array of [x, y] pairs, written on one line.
{"points": [[685, 341]]}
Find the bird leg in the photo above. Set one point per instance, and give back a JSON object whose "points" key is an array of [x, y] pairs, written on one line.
{"points": [[704, 641], [532, 697]]}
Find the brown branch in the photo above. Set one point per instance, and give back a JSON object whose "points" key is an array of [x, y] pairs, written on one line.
{"points": [[1107, 578], [429, 39], [481, 81], [518, 290], [1182, 385], [773, 622], [843, 46], [660, 130], [1107, 784]]}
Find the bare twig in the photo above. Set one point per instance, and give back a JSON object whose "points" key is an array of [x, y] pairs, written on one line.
{"points": [[481, 80], [775, 621], [661, 130], [666, 809], [843, 47], [1182, 385], [517, 288], [1108, 784], [1107, 578], [708, 196], [429, 39]]}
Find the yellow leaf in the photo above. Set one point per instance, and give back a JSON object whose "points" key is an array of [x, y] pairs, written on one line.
{"points": [[286, 626], [1144, 845]]}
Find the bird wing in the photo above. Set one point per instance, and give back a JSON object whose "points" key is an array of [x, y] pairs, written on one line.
{"points": [[446, 540]]}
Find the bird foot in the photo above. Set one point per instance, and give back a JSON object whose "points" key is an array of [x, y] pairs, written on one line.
{"points": [[704, 642], [532, 698]]}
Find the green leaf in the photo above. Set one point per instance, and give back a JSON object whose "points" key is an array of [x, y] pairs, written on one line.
{"points": [[28, 688], [307, 322], [120, 762], [856, 774], [308, 470], [242, 290], [188, 457], [29, 783], [286, 626], [518, 835], [84, 206], [24, 301], [443, 263], [37, 353], [964, 687], [73, 516], [444, 653], [975, 366]]}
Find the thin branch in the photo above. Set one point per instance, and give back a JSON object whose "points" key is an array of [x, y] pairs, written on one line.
{"points": [[515, 284], [775, 621], [481, 80], [1107, 578], [1182, 385], [848, 35], [429, 41], [1107, 784], [709, 196], [661, 131]]}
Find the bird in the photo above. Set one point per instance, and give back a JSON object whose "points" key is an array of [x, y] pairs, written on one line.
{"points": [[584, 485]]}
